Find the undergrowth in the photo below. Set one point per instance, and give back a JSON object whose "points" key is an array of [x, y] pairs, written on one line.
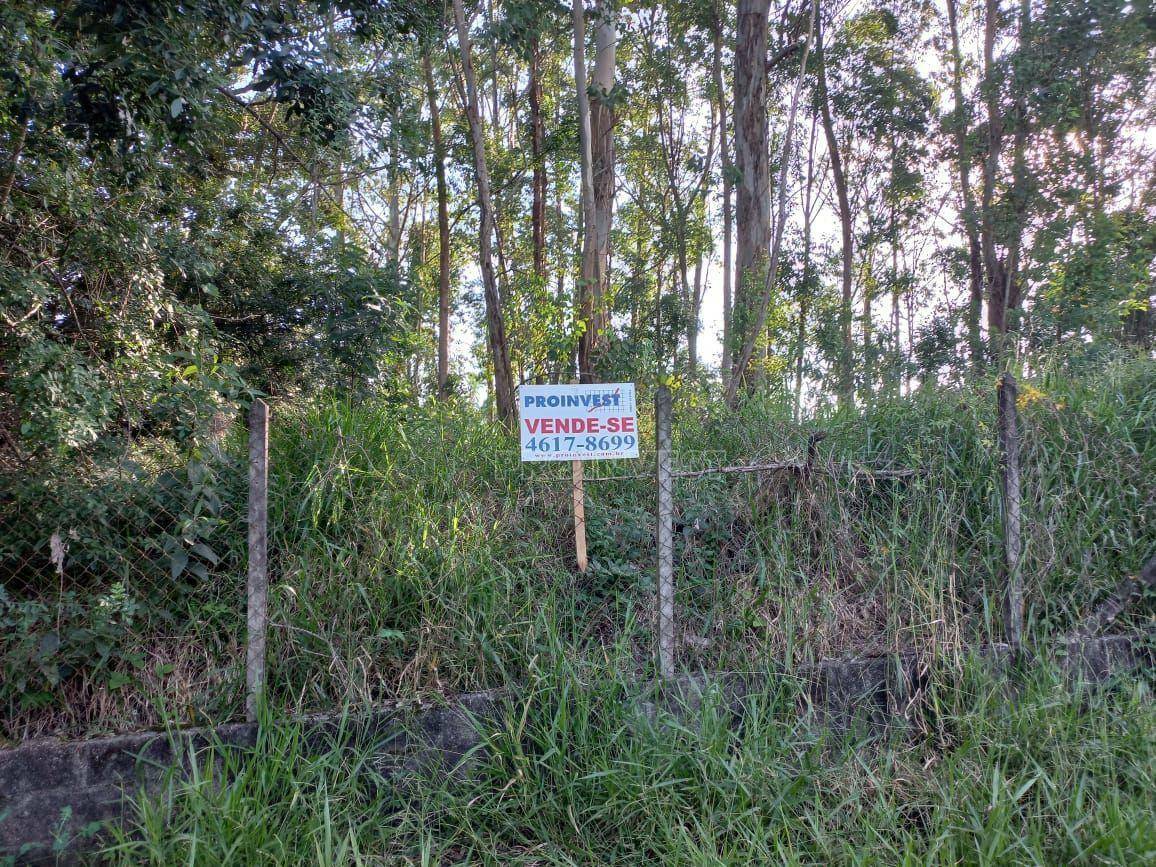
{"points": [[576, 774], [411, 553]]}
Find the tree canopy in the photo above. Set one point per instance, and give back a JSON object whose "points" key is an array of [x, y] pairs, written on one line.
{"points": [[206, 199]]}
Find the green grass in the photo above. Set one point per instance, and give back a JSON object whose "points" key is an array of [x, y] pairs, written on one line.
{"points": [[412, 554], [416, 555], [576, 776]]}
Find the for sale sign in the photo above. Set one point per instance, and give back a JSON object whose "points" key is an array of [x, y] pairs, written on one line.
{"points": [[578, 422]]}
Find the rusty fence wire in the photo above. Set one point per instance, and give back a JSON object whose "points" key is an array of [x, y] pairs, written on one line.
{"points": [[121, 588]]}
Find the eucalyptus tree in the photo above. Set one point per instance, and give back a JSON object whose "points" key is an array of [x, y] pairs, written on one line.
{"points": [[603, 156], [682, 143], [502, 377], [531, 35], [439, 159], [193, 193], [808, 283], [751, 317], [1062, 80], [718, 17], [882, 104], [845, 363], [1088, 76], [649, 291], [596, 120], [959, 123], [752, 167]]}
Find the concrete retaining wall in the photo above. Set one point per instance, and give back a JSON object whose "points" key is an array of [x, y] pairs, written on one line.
{"points": [[56, 795]]}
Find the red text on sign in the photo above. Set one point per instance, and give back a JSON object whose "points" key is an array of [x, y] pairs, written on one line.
{"points": [[613, 424]]}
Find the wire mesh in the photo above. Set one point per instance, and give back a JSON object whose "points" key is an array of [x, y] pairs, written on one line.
{"points": [[413, 553], [121, 589]]}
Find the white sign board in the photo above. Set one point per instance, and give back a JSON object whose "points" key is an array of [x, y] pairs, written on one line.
{"points": [[578, 422]]}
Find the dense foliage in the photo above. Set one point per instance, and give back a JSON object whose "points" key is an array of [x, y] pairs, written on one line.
{"points": [[409, 209], [166, 248], [413, 555], [387, 214], [203, 200]]}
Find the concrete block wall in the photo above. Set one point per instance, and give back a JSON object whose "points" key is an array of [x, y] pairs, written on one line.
{"points": [[55, 796]]}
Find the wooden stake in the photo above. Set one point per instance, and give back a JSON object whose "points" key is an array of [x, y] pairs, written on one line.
{"points": [[258, 583], [579, 515]]}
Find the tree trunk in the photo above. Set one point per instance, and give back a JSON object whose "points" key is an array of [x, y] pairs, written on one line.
{"points": [[443, 372], [562, 240], [1012, 281], [588, 275], [691, 291], [14, 160], [846, 374], [695, 316], [804, 296], [495, 325], [538, 185], [963, 161], [1003, 279], [494, 93], [418, 266], [759, 321], [868, 330], [753, 207], [603, 156], [724, 152], [1138, 324], [993, 266], [394, 193], [897, 365]]}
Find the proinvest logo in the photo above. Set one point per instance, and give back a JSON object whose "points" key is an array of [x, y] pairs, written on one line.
{"points": [[570, 401]]}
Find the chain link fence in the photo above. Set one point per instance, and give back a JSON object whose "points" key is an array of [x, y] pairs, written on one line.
{"points": [[412, 554], [121, 589]]}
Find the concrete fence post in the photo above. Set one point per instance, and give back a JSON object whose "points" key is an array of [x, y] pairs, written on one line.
{"points": [[662, 413], [258, 581], [1009, 442]]}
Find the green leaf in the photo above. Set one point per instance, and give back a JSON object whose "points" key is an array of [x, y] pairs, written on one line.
{"points": [[176, 106], [117, 679], [49, 644], [204, 551], [179, 562]]}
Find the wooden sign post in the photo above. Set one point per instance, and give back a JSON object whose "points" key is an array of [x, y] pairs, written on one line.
{"points": [[579, 516], [578, 423]]}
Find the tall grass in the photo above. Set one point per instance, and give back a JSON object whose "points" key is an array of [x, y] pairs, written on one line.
{"points": [[416, 555], [413, 554], [577, 775]]}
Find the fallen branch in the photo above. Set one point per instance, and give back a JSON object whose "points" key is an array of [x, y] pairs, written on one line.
{"points": [[859, 473], [1126, 592]]}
